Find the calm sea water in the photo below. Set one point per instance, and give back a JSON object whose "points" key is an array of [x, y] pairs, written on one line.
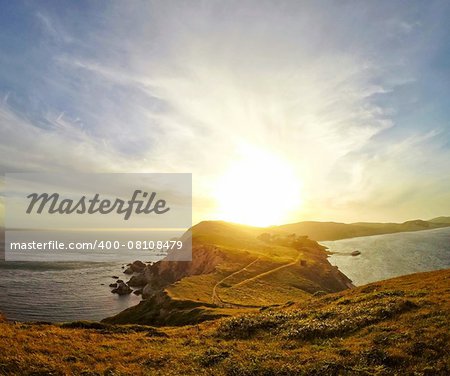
{"points": [[63, 291], [387, 256], [67, 291]]}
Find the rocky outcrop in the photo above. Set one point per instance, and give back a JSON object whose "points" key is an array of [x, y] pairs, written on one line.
{"points": [[139, 280], [205, 258], [246, 254], [149, 290], [135, 267], [122, 289], [154, 277]]}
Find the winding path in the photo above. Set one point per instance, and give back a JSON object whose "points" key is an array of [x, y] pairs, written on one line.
{"points": [[215, 296], [244, 282]]}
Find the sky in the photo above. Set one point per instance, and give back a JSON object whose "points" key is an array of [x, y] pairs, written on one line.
{"points": [[326, 110]]}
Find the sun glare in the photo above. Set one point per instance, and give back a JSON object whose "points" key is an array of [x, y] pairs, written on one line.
{"points": [[260, 189]]}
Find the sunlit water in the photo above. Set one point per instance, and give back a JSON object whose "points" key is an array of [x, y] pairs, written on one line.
{"points": [[62, 291], [392, 255]]}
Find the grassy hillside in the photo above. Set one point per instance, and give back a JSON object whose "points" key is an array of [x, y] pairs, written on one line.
{"points": [[399, 326], [233, 267], [236, 267], [335, 231], [440, 220]]}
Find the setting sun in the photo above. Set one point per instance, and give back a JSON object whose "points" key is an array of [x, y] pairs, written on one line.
{"points": [[259, 189]]}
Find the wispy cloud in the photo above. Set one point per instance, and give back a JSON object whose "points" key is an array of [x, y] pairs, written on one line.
{"points": [[175, 87]]}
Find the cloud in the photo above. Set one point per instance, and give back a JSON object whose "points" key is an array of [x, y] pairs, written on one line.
{"points": [[174, 87], [57, 145], [53, 29]]}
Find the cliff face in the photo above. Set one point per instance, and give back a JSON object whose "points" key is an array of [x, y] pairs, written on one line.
{"points": [[205, 258], [155, 277], [232, 267]]}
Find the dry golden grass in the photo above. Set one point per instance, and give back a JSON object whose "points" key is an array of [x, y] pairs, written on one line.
{"points": [[399, 326]]}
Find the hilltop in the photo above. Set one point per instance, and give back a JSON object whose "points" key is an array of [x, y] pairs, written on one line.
{"points": [[233, 268], [398, 326]]}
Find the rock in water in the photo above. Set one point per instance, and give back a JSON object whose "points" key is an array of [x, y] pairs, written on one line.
{"points": [[137, 281], [128, 270], [136, 267], [122, 289]]}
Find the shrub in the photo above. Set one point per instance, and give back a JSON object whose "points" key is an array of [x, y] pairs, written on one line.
{"points": [[212, 356]]}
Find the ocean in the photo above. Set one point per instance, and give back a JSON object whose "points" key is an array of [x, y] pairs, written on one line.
{"points": [[68, 291], [64, 291], [392, 255]]}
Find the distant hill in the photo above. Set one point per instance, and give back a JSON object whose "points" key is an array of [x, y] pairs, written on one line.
{"points": [[335, 231], [440, 220], [394, 327]]}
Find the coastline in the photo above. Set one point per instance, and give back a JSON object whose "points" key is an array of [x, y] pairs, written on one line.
{"points": [[123, 301], [391, 255]]}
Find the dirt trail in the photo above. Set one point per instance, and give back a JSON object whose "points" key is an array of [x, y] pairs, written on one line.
{"points": [[215, 297], [267, 272]]}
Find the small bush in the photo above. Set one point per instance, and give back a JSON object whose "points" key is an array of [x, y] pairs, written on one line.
{"points": [[309, 325], [212, 356]]}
